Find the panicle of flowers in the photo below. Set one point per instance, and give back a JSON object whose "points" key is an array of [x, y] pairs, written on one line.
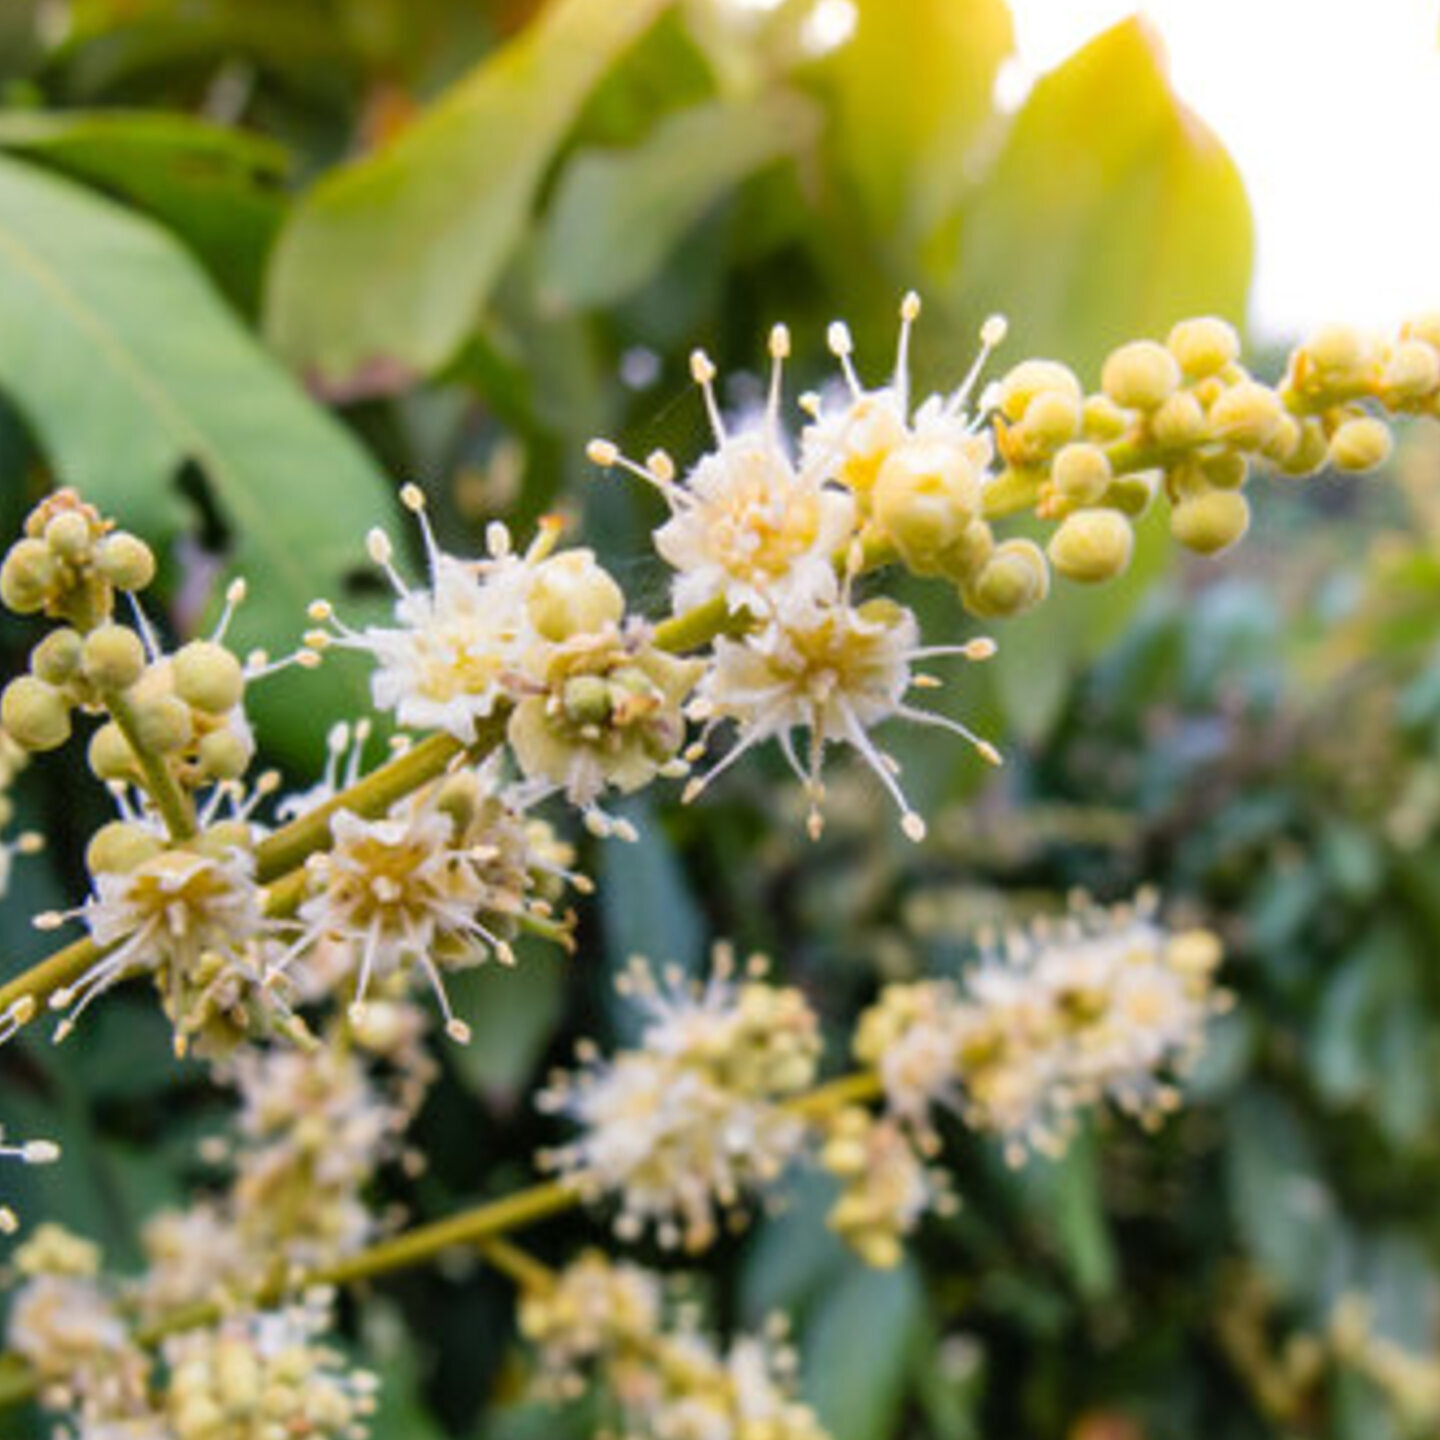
{"points": [[441, 882], [608, 1323], [680, 1128]]}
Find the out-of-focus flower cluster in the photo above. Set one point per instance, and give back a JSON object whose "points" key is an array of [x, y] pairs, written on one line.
{"points": [[609, 1323]]}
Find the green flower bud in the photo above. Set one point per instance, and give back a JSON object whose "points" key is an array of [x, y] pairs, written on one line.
{"points": [[224, 755], [126, 561], [1340, 355], [1092, 545], [574, 595], [1031, 378], [56, 659], [1360, 444], [1203, 346], [27, 576], [120, 847], [926, 494], [220, 839], [1225, 471], [1247, 414], [1311, 453], [974, 547], [109, 754], [36, 715], [1133, 493], [69, 536], [1082, 473], [1179, 422], [113, 657], [1140, 375], [1210, 522], [208, 676], [1014, 579], [1051, 419], [1284, 442], [1103, 419], [163, 724]]}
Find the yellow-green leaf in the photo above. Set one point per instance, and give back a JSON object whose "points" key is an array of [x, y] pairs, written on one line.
{"points": [[383, 267]]}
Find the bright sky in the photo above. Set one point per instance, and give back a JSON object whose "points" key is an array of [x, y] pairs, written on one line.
{"points": [[1331, 109]]}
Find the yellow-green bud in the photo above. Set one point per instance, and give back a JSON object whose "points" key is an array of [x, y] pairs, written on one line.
{"points": [[1284, 442], [56, 659], [1340, 354], [1412, 371], [1051, 419], [1179, 422], [69, 536], [208, 676], [1092, 545], [1311, 453], [1031, 378], [27, 576], [926, 494], [1210, 522], [1015, 578], [37, 715], [1225, 471], [1247, 414], [120, 847], [1203, 346], [1104, 419], [224, 836], [1082, 473], [109, 754], [126, 561], [974, 547], [572, 594], [1140, 375], [224, 755], [163, 724], [1132, 493], [1360, 444], [112, 657]]}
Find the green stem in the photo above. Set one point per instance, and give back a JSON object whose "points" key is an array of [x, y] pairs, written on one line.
{"points": [[171, 801]]}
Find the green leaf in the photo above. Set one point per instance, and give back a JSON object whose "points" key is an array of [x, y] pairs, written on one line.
{"points": [[382, 268], [1065, 1193], [619, 212], [512, 1015], [1111, 212], [205, 182], [910, 93], [856, 1350], [127, 366]]}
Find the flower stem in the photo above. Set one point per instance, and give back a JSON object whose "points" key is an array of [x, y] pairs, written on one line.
{"points": [[171, 801]]}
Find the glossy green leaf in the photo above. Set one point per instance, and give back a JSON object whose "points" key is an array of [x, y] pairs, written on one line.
{"points": [[1110, 213], [910, 93], [618, 213], [212, 186], [383, 267], [120, 402], [512, 1015]]}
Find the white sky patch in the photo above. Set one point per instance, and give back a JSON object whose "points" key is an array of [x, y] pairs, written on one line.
{"points": [[1331, 109]]}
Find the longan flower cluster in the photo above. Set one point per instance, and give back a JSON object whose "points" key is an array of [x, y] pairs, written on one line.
{"points": [[668, 1379], [681, 1128]]}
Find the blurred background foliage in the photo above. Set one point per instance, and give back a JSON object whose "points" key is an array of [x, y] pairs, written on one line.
{"points": [[261, 258]]}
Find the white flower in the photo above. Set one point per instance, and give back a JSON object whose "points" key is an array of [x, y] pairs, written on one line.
{"points": [[833, 669], [748, 525]]}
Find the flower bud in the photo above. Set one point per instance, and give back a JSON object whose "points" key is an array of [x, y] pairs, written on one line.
{"points": [[27, 576], [1340, 355], [1424, 327], [1210, 522], [1412, 371], [224, 755], [1311, 453], [1092, 545], [36, 715], [163, 724], [112, 657], [120, 847], [572, 594], [1283, 443], [925, 496], [208, 676], [1014, 579], [1132, 493], [70, 536], [1360, 444], [56, 659], [126, 561], [1082, 473], [1247, 414], [1179, 422], [1140, 375], [224, 836], [974, 547], [109, 754], [1203, 346], [1051, 419], [1031, 378], [1103, 419], [1225, 471]]}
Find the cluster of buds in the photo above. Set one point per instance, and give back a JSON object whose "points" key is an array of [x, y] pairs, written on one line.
{"points": [[607, 1322], [684, 1126]]}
